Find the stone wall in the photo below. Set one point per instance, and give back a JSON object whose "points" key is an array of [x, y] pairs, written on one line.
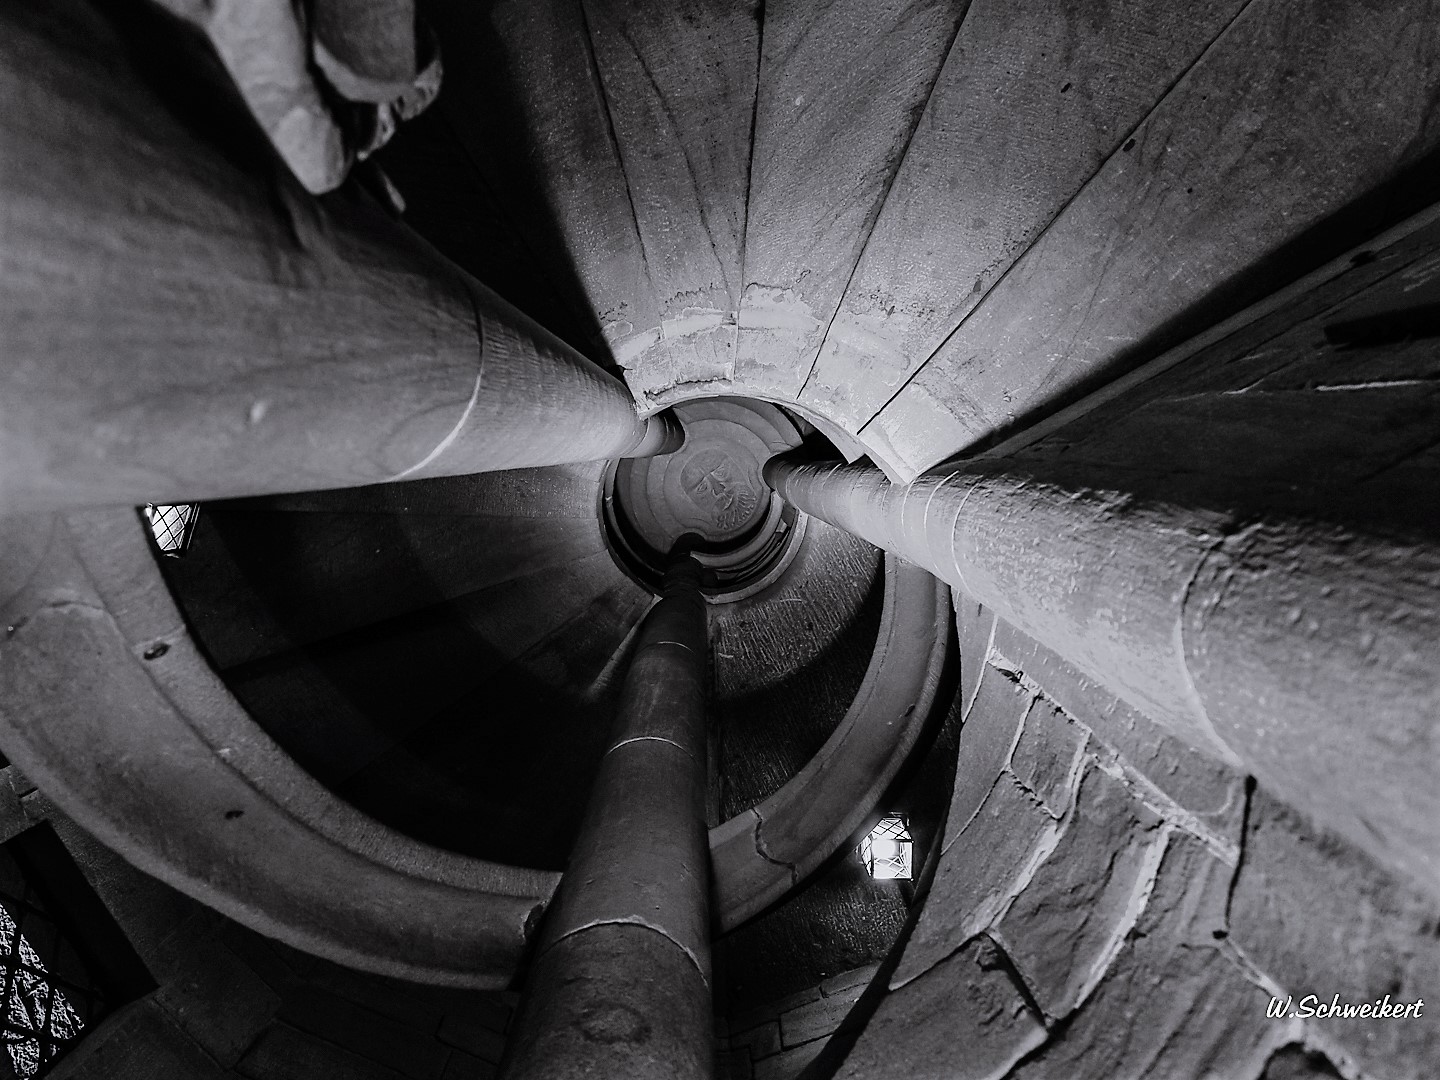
{"points": [[778, 1040], [232, 1004], [1108, 902]]}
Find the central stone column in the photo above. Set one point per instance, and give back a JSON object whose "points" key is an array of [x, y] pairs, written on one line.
{"points": [[712, 491], [620, 984], [1301, 649]]}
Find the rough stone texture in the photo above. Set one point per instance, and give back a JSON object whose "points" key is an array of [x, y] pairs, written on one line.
{"points": [[616, 1000], [13, 818], [283, 1053], [769, 1040], [760, 1041], [855, 980], [787, 1064], [842, 86], [1298, 1063], [977, 876], [1065, 926], [842, 919], [1031, 101], [1195, 185], [412, 1053], [1209, 789], [974, 626], [818, 1019], [210, 992], [990, 731], [1047, 755], [679, 86], [964, 1019], [786, 663], [233, 1004], [1321, 917], [1173, 1003], [139, 1043]]}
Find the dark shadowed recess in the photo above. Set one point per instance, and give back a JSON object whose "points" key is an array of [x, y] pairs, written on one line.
{"points": [[415, 717], [842, 919], [424, 670], [771, 714], [479, 200]]}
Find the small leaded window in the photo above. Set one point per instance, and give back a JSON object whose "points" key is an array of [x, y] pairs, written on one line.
{"points": [[56, 985], [887, 850], [173, 526]]}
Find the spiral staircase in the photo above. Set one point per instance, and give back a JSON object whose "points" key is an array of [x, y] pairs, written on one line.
{"points": [[365, 719]]}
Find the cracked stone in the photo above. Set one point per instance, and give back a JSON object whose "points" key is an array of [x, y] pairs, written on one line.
{"points": [[1172, 1003], [1207, 788], [1063, 927], [985, 742], [976, 877], [1045, 757], [967, 1003]]}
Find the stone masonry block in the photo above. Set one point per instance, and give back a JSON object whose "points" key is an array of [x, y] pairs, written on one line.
{"points": [[978, 875], [1210, 789], [212, 994], [1321, 917], [985, 741], [138, 1043], [815, 1020], [407, 1051], [761, 1041], [1173, 1003], [283, 1053], [787, 1065], [463, 1066], [964, 1019], [473, 1032], [849, 980], [1046, 757], [734, 1065], [771, 1010], [1066, 925], [973, 624]]}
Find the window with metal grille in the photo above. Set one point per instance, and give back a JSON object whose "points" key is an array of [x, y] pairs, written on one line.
{"points": [[173, 526], [888, 850], [65, 963]]}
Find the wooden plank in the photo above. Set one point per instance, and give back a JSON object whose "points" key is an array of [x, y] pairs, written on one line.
{"points": [[679, 83], [1032, 100], [842, 86], [1299, 110]]}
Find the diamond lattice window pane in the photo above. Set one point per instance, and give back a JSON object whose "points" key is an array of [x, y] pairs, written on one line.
{"points": [[48, 997], [38, 1018], [173, 526], [888, 850]]}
